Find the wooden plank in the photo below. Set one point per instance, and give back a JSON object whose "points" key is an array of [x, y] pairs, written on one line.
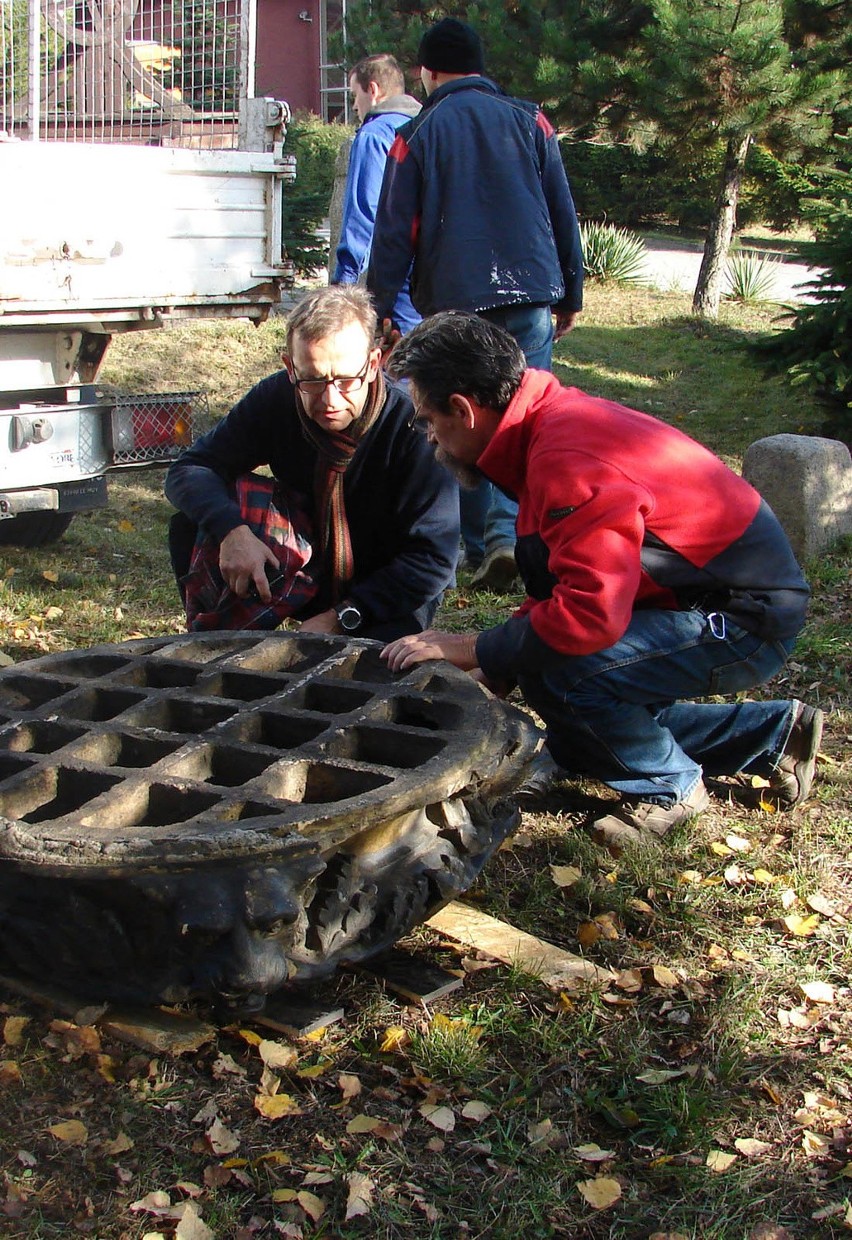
{"points": [[295, 1017], [554, 966], [411, 977]]}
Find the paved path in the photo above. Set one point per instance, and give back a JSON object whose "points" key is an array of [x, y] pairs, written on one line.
{"points": [[676, 269]]}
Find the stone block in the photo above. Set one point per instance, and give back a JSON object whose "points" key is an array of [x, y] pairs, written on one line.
{"points": [[807, 482]]}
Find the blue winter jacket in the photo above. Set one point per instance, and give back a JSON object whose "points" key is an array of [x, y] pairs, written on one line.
{"points": [[367, 157], [475, 190]]}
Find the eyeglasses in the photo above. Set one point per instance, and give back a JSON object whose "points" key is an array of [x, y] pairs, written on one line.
{"points": [[415, 423], [345, 384]]}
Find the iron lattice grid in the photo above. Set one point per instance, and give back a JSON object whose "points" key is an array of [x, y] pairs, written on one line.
{"points": [[150, 72], [143, 427]]}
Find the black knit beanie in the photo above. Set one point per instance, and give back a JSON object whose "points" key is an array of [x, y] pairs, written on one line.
{"points": [[451, 46]]}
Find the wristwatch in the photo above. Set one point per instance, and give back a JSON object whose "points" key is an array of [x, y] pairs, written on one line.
{"points": [[349, 617]]}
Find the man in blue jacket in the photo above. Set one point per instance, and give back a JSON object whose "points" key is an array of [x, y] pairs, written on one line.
{"points": [[476, 193], [378, 93]]}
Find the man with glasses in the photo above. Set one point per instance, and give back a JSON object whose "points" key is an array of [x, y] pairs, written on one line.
{"points": [[381, 515]]}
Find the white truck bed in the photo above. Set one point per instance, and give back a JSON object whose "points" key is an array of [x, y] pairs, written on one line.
{"points": [[110, 234]]}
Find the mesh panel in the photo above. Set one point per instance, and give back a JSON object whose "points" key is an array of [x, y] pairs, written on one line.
{"points": [[156, 426], [157, 73]]}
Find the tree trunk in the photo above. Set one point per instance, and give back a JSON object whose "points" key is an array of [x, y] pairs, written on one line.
{"points": [[708, 290]]}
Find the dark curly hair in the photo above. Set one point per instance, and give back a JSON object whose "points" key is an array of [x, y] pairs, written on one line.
{"points": [[454, 352]]}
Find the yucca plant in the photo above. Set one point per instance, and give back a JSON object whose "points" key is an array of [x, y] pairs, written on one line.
{"points": [[612, 254], [750, 277]]}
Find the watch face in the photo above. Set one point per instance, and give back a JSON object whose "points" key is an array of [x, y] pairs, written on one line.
{"points": [[350, 619]]}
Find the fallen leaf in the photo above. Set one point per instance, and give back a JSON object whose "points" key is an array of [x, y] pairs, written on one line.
{"points": [[395, 1038], [565, 875], [157, 1203], [588, 934], [126, 527], [629, 980], [313, 1071], [818, 992], [191, 1226], [70, 1132], [800, 926], [313, 1206], [442, 1118], [277, 1054], [721, 850], [350, 1085], [10, 1072], [119, 1145], [362, 1123], [750, 1147], [600, 1193], [476, 1111], [818, 903], [789, 899], [540, 1133], [221, 1139], [719, 1161], [813, 1144], [664, 977], [606, 923], [225, 1065], [693, 877], [738, 843], [13, 1030], [360, 1199], [593, 1153], [276, 1106], [659, 1076], [764, 877], [48, 575]]}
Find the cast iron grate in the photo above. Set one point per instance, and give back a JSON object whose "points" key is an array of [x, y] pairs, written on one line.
{"points": [[220, 777]]}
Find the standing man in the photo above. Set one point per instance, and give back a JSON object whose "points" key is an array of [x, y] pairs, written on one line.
{"points": [[476, 193], [654, 575], [340, 442], [378, 93]]}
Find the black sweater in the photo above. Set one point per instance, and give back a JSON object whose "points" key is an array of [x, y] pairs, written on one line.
{"points": [[401, 505]]}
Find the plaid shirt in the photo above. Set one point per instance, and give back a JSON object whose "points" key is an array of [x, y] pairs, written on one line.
{"points": [[277, 518]]}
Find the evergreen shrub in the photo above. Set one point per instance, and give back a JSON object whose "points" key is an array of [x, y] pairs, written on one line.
{"points": [[315, 145]]}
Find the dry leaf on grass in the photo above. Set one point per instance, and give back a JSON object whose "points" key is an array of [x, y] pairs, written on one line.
{"points": [[600, 1193], [818, 992], [221, 1139], [395, 1038], [191, 1225], [750, 1147], [800, 926], [441, 1118], [565, 875], [70, 1132], [10, 1072], [277, 1055], [13, 1030], [814, 1145], [593, 1153], [476, 1111], [360, 1199], [720, 1161], [349, 1084], [276, 1106]]}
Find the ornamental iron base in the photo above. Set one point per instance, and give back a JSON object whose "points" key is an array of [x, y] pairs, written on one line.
{"points": [[218, 815]]}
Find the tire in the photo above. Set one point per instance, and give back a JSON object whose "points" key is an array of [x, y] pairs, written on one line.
{"points": [[34, 529]]}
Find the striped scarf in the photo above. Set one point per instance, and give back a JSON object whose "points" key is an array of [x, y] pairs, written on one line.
{"points": [[335, 450]]}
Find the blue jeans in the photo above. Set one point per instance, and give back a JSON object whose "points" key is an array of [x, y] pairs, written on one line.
{"points": [[487, 515], [615, 714]]}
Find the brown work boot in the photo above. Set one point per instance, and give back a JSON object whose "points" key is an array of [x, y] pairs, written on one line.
{"points": [[637, 821], [792, 778], [497, 571]]}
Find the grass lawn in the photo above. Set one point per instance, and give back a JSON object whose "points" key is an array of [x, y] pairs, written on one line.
{"points": [[705, 1093]]}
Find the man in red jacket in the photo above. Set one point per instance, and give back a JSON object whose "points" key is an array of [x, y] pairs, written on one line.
{"points": [[653, 573]]}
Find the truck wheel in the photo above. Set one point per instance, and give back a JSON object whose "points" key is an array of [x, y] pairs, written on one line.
{"points": [[34, 529]]}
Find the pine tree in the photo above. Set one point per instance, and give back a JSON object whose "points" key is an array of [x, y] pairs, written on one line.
{"points": [[723, 69]]}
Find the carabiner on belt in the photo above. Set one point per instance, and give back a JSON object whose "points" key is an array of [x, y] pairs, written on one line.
{"points": [[718, 627]]}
